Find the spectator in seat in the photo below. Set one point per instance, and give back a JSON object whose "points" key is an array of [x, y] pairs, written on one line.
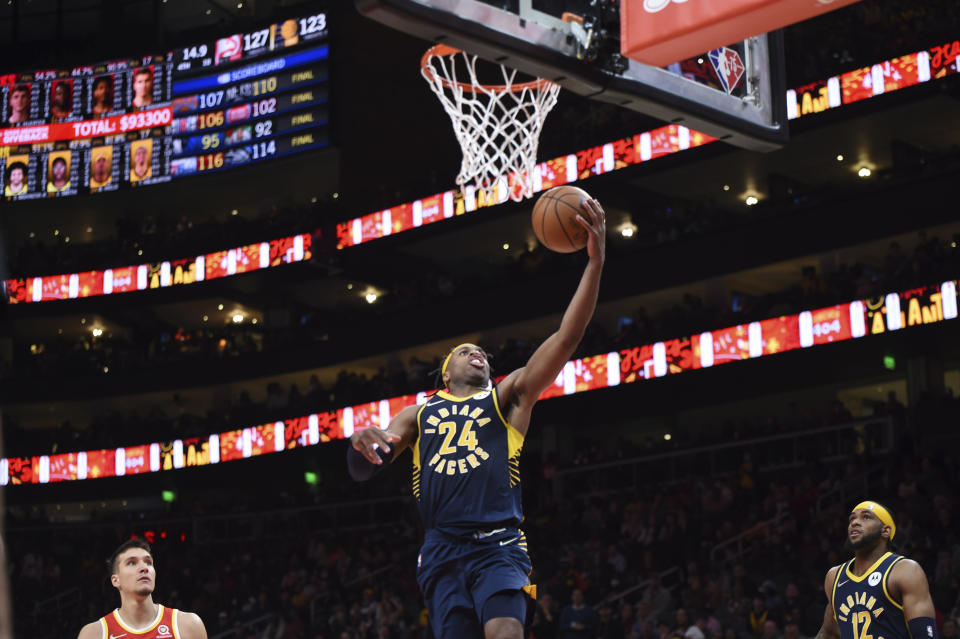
{"points": [[656, 597], [545, 618], [578, 620], [645, 624], [608, 626], [758, 616]]}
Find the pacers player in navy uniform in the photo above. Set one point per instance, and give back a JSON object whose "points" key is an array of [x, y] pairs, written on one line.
{"points": [[877, 594], [466, 443]]}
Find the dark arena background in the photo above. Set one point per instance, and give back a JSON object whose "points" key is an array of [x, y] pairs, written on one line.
{"points": [[213, 279]]}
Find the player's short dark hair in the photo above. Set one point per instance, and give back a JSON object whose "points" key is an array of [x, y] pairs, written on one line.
{"points": [[143, 71], [59, 159], [16, 165], [136, 542], [20, 87]]}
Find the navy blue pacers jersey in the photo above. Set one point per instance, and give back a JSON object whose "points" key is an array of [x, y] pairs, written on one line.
{"points": [[466, 464], [863, 606]]}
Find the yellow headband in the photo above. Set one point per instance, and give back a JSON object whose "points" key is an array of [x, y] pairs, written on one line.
{"points": [[882, 514], [443, 369]]}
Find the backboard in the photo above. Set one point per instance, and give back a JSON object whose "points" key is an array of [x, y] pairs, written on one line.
{"points": [[734, 93]]}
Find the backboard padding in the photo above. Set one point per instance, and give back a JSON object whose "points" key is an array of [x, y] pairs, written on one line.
{"points": [[542, 51]]}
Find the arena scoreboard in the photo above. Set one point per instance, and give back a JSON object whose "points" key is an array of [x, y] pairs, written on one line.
{"points": [[129, 123]]}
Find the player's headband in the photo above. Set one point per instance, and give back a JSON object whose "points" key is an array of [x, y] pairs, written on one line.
{"points": [[443, 369], [882, 514]]}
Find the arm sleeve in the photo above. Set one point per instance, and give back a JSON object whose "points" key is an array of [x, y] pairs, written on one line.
{"points": [[362, 470], [923, 628]]}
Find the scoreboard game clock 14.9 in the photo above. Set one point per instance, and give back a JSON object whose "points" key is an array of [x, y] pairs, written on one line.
{"points": [[129, 123]]}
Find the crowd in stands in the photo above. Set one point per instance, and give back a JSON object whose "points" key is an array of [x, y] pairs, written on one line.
{"points": [[776, 589], [847, 39], [931, 260], [639, 563], [630, 564], [139, 238]]}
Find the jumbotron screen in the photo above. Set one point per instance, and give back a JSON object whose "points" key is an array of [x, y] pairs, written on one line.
{"points": [[128, 123]]}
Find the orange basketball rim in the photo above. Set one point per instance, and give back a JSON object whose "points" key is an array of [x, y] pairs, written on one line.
{"points": [[497, 125], [444, 50]]}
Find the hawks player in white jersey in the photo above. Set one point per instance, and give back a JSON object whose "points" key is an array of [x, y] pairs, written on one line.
{"points": [[132, 573]]}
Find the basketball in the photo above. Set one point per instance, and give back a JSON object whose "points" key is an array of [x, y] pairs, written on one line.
{"points": [[554, 219]]}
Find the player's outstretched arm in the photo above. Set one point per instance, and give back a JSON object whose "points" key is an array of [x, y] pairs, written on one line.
{"points": [[371, 447], [829, 628], [522, 388], [908, 578], [191, 626]]}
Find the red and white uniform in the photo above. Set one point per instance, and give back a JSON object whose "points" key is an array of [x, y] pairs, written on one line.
{"points": [[163, 627]]}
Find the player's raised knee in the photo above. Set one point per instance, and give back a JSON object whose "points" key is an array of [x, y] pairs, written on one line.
{"points": [[503, 628]]}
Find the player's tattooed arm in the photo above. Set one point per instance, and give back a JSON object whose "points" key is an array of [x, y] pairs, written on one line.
{"points": [[829, 629]]}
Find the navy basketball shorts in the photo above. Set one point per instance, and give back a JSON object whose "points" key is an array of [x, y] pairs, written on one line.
{"points": [[460, 576]]}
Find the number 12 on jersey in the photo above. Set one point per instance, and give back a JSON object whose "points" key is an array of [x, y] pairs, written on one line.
{"points": [[861, 621]]}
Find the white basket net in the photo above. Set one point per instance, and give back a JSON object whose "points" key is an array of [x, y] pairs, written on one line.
{"points": [[498, 126]]}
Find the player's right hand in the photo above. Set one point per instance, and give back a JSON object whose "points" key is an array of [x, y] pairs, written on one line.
{"points": [[594, 221], [368, 440]]}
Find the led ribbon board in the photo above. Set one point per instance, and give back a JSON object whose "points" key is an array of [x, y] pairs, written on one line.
{"points": [[216, 139], [857, 85], [809, 329], [142, 277]]}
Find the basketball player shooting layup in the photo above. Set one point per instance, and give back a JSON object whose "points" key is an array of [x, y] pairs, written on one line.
{"points": [[466, 441], [133, 574], [877, 593]]}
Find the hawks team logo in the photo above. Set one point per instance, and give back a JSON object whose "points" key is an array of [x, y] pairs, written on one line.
{"points": [[656, 6], [874, 578], [228, 49], [729, 67]]}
